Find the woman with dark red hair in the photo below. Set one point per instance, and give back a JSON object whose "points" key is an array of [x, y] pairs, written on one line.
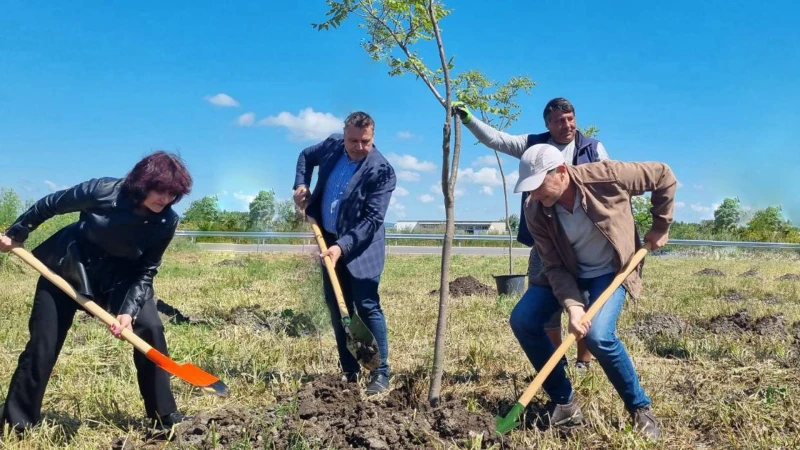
{"points": [[110, 255]]}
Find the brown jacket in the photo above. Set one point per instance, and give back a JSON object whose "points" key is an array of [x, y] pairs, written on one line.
{"points": [[606, 189]]}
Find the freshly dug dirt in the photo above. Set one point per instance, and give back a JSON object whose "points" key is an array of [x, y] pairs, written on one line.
{"points": [[659, 323], [789, 277], [231, 263], [752, 273], [741, 322], [327, 413], [468, 285], [292, 323], [710, 272]]}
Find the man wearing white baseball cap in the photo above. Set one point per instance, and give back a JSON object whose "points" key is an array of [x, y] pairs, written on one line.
{"points": [[581, 221], [562, 132]]}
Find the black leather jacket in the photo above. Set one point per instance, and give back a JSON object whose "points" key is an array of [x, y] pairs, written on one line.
{"points": [[111, 254]]}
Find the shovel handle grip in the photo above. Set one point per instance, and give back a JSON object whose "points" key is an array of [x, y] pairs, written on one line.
{"points": [[87, 304], [337, 289], [537, 382]]}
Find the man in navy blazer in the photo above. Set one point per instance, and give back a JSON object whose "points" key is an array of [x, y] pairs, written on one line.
{"points": [[349, 201]]}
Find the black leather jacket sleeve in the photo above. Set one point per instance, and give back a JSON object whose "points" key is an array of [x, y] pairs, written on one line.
{"points": [[77, 198], [145, 269]]}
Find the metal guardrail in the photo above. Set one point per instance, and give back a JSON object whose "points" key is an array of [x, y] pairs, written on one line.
{"points": [[462, 237]]}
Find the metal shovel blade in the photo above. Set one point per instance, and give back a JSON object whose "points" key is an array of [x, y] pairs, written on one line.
{"points": [[362, 344]]}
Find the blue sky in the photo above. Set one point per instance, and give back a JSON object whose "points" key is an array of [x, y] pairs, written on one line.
{"points": [[239, 89]]}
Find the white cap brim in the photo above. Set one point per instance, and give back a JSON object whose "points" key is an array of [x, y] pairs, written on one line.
{"points": [[530, 183]]}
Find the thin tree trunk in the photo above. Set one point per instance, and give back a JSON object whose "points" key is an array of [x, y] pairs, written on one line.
{"points": [[448, 187], [434, 393], [508, 224]]}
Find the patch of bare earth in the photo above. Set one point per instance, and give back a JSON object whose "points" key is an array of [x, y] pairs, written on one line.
{"points": [[329, 413], [464, 286], [789, 277], [709, 272], [742, 322]]}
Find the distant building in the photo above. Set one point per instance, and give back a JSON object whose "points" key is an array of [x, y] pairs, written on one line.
{"points": [[462, 226]]}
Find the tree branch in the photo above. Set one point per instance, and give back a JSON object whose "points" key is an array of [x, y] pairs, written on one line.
{"points": [[404, 47]]}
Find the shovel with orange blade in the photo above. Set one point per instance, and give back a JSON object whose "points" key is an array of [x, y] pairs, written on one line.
{"points": [[187, 372]]}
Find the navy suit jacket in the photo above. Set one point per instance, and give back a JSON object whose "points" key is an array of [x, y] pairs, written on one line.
{"points": [[359, 223]]}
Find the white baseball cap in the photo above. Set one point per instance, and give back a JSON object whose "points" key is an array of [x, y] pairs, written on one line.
{"points": [[534, 165]]}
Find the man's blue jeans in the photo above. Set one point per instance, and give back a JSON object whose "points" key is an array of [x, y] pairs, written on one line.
{"points": [[364, 295], [538, 305]]}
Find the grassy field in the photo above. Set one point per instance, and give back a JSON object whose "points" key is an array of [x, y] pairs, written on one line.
{"points": [[712, 386]]}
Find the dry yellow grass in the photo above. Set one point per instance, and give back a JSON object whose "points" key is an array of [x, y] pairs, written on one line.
{"points": [[709, 390]]}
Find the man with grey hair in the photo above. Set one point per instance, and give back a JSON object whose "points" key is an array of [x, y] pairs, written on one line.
{"points": [[581, 220], [562, 133]]}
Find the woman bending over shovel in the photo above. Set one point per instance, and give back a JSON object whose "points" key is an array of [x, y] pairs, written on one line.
{"points": [[110, 255]]}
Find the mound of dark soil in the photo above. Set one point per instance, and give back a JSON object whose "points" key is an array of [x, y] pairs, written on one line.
{"points": [[710, 272], [468, 285], [752, 273], [327, 413], [292, 323], [741, 322], [664, 324], [789, 277], [231, 263]]}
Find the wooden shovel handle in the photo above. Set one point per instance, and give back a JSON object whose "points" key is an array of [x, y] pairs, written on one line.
{"points": [[337, 289], [537, 382], [87, 304]]}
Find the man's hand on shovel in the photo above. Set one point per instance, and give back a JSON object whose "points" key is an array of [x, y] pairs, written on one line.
{"points": [[334, 251], [576, 314], [7, 244]]}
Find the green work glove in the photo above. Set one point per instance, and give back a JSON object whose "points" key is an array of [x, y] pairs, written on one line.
{"points": [[461, 109]]}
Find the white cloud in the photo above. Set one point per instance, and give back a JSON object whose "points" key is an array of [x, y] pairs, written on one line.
{"points": [[697, 186], [246, 120], [680, 185], [400, 191], [437, 189], [409, 162], [244, 198], [404, 135], [396, 208], [707, 212], [406, 175], [307, 125], [487, 190], [221, 100], [487, 160], [512, 178], [53, 186], [486, 176], [426, 198], [680, 204]]}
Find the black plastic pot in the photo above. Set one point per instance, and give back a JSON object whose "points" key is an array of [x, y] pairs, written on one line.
{"points": [[510, 284]]}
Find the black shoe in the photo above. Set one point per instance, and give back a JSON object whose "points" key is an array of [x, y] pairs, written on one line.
{"points": [[169, 421], [350, 377], [378, 383]]}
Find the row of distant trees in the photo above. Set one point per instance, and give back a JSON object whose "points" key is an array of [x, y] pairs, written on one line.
{"points": [[731, 222], [265, 213]]}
